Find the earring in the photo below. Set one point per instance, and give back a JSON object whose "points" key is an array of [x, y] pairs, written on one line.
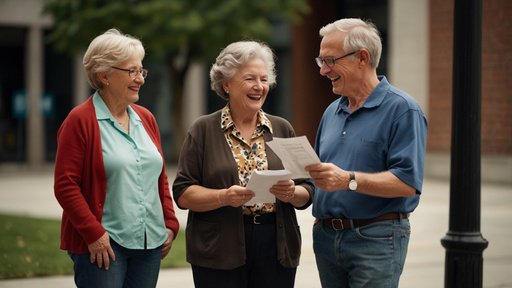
{"points": [[108, 83], [227, 92]]}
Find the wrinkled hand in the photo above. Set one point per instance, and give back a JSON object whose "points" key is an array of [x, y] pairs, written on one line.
{"points": [[101, 251], [328, 176], [166, 247], [284, 190], [235, 196]]}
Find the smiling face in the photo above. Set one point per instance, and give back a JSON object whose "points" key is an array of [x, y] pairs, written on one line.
{"points": [[343, 75], [248, 88], [121, 85]]}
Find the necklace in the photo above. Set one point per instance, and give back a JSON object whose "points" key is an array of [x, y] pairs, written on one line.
{"points": [[124, 122]]}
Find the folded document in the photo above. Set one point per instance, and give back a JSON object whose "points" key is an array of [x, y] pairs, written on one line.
{"points": [[260, 183], [296, 153]]}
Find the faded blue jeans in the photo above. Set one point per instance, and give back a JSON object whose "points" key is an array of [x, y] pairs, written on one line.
{"points": [[369, 256], [132, 268]]}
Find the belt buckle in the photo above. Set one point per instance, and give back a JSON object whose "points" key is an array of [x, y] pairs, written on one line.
{"points": [[255, 219], [337, 221]]}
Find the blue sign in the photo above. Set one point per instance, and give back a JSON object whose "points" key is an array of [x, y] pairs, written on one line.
{"points": [[19, 104], [48, 105]]}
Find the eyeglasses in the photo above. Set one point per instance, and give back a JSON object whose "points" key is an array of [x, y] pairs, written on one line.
{"points": [[133, 72], [330, 61]]}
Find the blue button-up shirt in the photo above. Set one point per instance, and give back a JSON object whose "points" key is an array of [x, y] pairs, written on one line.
{"points": [[387, 133], [133, 210]]}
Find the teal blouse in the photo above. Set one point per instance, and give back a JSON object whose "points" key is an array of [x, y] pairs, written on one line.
{"points": [[133, 213]]}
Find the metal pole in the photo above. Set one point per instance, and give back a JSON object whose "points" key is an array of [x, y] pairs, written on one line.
{"points": [[464, 243]]}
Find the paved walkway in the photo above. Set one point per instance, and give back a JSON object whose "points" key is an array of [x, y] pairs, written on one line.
{"points": [[31, 193]]}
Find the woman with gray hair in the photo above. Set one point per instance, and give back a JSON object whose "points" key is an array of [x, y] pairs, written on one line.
{"points": [[229, 242], [118, 220]]}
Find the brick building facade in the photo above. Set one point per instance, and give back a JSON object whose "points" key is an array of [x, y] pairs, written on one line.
{"points": [[496, 97], [496, 68]]}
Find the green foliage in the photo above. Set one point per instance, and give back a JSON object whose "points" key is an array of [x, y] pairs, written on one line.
{"points": [[167, 27], [29, 247], [174, 31]]}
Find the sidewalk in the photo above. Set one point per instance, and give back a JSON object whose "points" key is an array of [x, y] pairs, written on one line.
{"points": [[425, 260]]}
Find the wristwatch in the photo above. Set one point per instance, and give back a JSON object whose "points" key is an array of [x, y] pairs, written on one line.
{"points": [[352, 183]]}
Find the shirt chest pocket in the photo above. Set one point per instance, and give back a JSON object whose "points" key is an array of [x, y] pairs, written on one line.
{"points": [[373, 151]]}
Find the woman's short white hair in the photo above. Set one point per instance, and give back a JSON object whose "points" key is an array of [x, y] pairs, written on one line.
{"points": [[235, 55], [107, 50], [359, 34]]}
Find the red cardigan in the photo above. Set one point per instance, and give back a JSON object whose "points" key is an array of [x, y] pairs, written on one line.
{"points": [[80, 180]]}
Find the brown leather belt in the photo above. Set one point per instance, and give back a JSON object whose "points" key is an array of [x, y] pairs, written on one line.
{"points": [[343, 223]]}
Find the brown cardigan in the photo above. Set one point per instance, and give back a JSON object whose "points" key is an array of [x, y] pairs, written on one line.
{"points": [[215, 239]]}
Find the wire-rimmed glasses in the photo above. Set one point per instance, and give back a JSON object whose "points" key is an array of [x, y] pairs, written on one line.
{"points": [[134, 72], [330, 61]]}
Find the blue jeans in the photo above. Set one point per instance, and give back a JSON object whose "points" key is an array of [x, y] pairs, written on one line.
{"points": [[132, 268], [368, 256]]}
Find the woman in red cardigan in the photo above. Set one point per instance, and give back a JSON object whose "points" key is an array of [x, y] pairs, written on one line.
{"points": [[118, 218]]}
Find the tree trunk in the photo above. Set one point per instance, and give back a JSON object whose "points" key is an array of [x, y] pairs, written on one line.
{"points": [[177, 87]]}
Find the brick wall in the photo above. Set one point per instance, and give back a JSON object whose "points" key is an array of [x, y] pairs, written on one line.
{"points": [[497, 77], [496, 72]]}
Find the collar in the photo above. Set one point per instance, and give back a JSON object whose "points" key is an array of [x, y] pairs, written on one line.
{"points": [[374, 100], [228, 123], [102, 112]]}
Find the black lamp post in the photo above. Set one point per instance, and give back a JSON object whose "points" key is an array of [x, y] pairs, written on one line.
{"points": [[464, 243]]}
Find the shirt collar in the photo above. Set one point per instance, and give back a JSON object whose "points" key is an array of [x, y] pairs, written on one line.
{"points": [[102, 112], [228, 123], [375, 98]]}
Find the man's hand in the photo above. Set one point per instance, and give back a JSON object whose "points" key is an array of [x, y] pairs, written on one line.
{"points": [[328, 176]]}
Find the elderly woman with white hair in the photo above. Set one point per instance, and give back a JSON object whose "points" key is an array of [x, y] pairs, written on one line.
{"points": [[118, 218], [230, 243]]}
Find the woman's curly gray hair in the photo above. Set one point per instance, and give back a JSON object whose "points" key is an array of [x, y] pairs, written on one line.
{"points": [[235, 55]]}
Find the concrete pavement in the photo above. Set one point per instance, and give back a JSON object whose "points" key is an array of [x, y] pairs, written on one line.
{"points": [[30, 193]]}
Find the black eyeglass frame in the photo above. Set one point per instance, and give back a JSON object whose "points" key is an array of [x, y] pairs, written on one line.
{"points": [[329, 61], [143, 72]]}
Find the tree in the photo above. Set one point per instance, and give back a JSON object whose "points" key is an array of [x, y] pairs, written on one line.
{"points": [[175, 31]]}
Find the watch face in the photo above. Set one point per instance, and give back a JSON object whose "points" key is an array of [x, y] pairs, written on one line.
{"points": [[352, 185]]}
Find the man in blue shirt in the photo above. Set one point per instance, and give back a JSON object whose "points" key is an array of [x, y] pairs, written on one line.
{"points": [[371, 142]]}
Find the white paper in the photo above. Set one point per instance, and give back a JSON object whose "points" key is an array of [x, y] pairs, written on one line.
{"points": [[260, 183], [296, 153]]}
